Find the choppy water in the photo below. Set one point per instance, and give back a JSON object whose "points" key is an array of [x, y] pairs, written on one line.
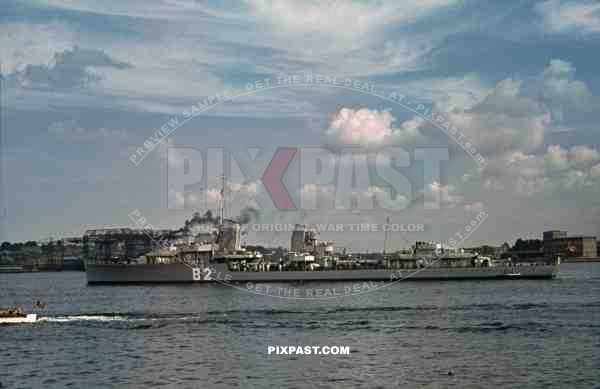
{"points": [[500, 334]]}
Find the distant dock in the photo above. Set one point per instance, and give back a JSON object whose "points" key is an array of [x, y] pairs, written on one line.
{"points": [[581, 259]]}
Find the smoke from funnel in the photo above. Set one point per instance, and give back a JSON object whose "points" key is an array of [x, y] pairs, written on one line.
{"points": [[249, 215], [198, 219]]}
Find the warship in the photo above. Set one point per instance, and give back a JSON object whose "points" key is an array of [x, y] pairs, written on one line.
{"points": [[127, 256]]}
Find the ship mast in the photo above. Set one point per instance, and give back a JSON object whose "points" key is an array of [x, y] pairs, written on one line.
{"points": [[386, 232], [220, 209], [222, 205], [221, 200]]}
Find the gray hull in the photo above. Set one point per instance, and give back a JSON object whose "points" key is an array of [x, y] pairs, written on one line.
{"points": [[180, 273]]}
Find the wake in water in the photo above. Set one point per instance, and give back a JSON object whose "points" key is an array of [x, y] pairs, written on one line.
{"points": [[125, 318], [482, 318], [74, 318], [144, 316]]}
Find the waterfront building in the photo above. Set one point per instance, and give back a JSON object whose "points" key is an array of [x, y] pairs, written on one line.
{"points": [[559, 243], [121, 244]]}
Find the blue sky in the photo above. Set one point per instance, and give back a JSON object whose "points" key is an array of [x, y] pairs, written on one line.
{"points": [[86, 83]]}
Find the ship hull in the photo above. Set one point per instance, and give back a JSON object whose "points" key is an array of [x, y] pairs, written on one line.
{"points": [[98, 274]]}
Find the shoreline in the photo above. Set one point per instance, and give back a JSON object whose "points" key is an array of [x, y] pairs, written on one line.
{"points": [[581, 260]]}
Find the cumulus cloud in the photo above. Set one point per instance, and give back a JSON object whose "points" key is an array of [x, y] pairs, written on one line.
{"points": [[570, 16], [370, 127], [519, 164], [514, 116], [23, 44], [558, 158], [562, 92], [68, 69], [518, 156], [436, 195], [503, 120], [314, 188], [214, 195], [233, 188], [556, 170], [515, 171], [316, 196], [362, 126], [476, 206], [583, 153], [511, 116]]}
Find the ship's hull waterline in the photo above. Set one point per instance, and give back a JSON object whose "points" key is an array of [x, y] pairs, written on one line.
{"points": [[181, 273]]}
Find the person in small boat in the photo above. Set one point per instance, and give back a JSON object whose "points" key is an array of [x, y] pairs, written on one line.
{"points": [[39, 304]]}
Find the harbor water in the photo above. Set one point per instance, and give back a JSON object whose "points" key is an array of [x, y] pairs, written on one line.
{"points": [[467, 334]]}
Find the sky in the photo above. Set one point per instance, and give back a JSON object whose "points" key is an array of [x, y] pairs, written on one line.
{"points": [[85, 84]]}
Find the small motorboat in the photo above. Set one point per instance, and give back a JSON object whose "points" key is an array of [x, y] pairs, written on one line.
{"points": [[16, 316]]}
